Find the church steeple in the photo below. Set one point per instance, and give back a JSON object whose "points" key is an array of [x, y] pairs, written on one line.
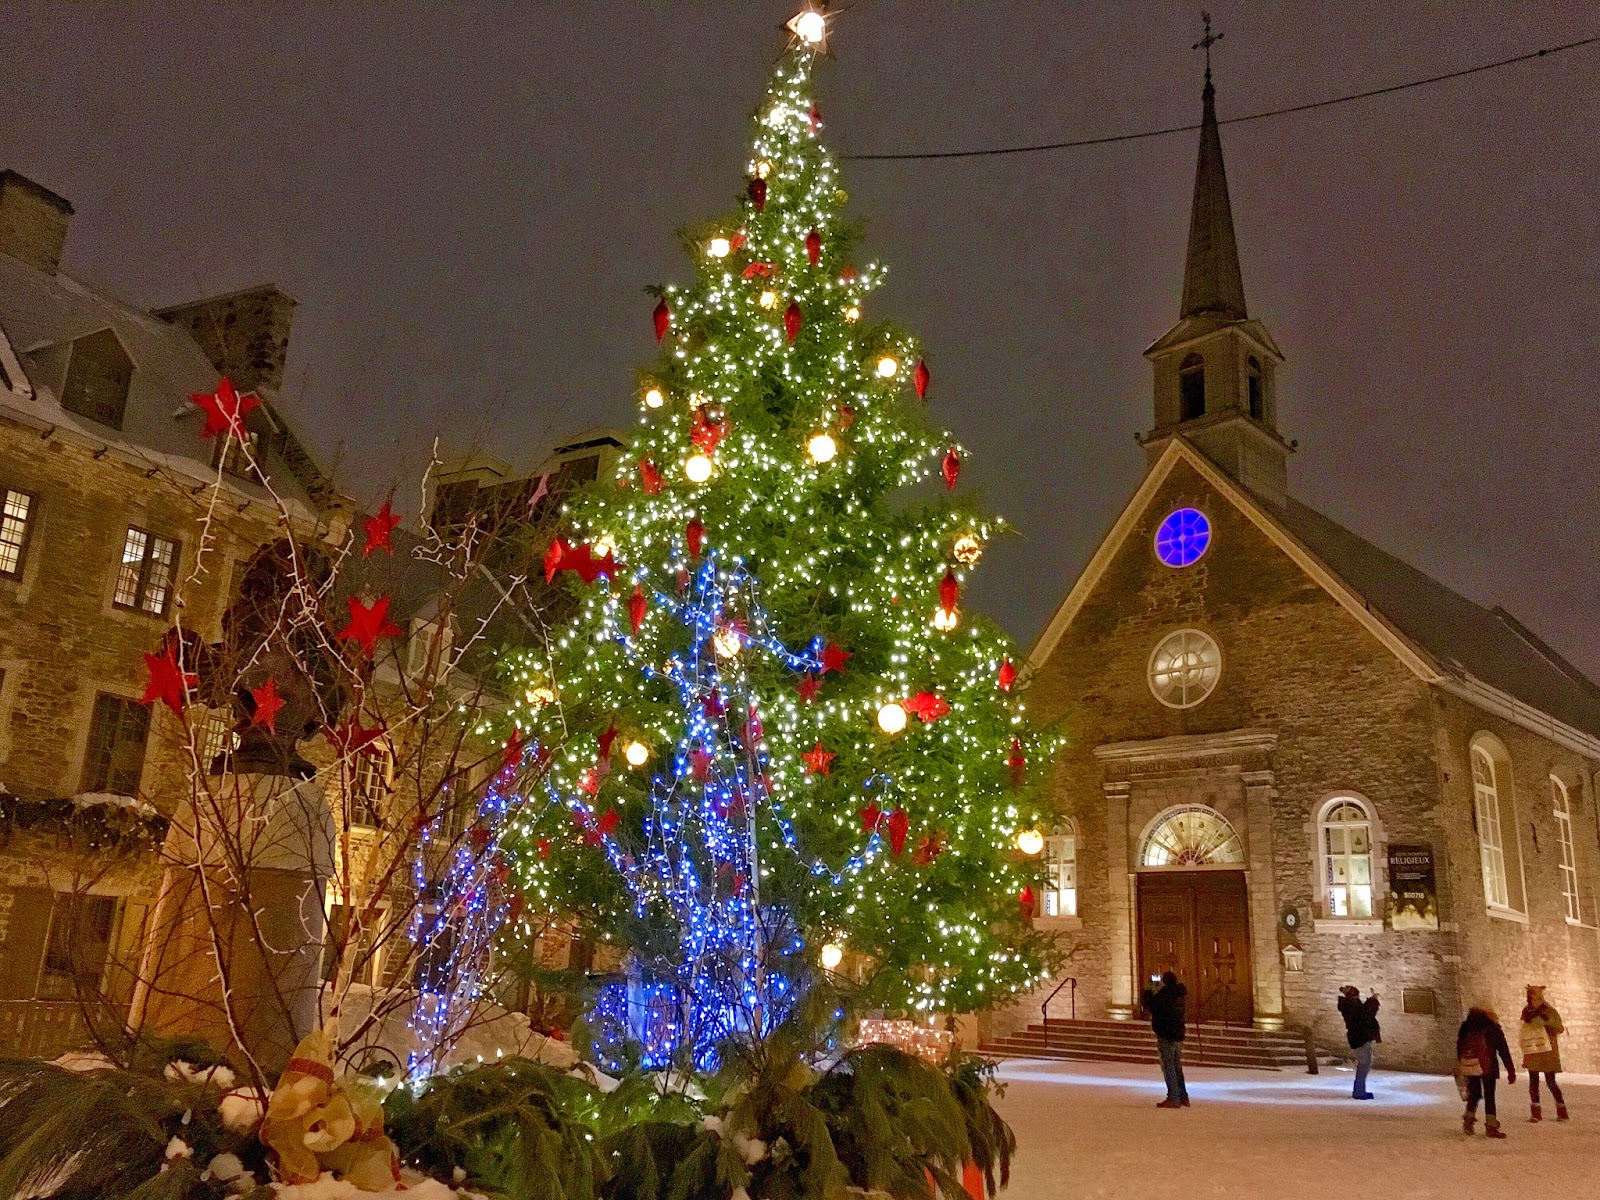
{"points": [[1212, 281], [1215, 370]]}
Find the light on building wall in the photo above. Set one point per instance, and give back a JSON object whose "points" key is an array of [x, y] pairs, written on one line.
{"points": [[892, 717], [1030, 842]]}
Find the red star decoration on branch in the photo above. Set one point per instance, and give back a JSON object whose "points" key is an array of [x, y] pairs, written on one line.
{"points": [[834, 657], [368, 624], [353, 737], [224, 408], [562, 557], [819, 761], [378, 529], [808, 688], [870, 815], [899, 828], [544, 847], [607, 822], [168, 682], [700, 763], [267, 703]]}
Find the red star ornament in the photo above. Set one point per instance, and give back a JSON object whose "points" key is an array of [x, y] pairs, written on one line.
{"points": [[951, 468], [814, 117], [928, 706], [792, 320], [368, 624], [764, 270], [636, 607], [554, 558], [700, 763], [920, 378], [649, 477], [847, 417], [808, 688], [694, 536], [834, 658], [267, 703], [583, 561], [378, 528], [870, 815], [707, 434], [813, 247], [714, 705], [949, 590], [662, 316], [168, 682], [1006, 676], [607, 822], [224, 408], [353, 737], [818, 761], [929, 847], [899, 828]]}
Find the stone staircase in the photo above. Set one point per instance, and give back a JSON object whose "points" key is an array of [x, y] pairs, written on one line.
{"points": [[1132, 1042]]}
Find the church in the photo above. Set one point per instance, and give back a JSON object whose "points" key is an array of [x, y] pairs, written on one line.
{"points": [[1294, 762]]}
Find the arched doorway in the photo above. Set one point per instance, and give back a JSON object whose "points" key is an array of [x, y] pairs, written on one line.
{"points": [[1194, 915]]}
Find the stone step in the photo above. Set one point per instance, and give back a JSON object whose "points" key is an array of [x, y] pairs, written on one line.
{"points": [[1095, 1040]]}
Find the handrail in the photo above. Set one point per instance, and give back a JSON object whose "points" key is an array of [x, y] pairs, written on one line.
{"points": [[1044, 1009]]}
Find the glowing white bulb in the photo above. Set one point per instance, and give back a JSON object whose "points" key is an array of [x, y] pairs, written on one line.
{"points": [[945, 619], [654, 398], [892, 717], [636, 754], [719, 247], [822, 447], [768, 299], [726, 642], [810, 26], [697, 468], [1030, 841], [832, 956], [887, 366]]}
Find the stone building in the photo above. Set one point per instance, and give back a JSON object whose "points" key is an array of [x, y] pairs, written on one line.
{"points": [[105, 481], [1296, 762]]}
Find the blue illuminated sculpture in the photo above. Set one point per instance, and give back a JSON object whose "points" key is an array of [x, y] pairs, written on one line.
{"points": [[1183, 537]]}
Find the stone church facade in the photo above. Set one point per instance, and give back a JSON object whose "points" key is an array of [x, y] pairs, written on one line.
{"points": [[1293, 761]]}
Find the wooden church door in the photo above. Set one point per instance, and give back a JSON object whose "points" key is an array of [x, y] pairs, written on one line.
{"points": [[1197, 925]]}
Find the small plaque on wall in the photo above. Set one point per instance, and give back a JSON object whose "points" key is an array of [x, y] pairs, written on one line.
{"points": [[1418, 1001], [1413, 898]]}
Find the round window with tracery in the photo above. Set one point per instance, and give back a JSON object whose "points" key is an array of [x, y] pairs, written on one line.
{"points": [[1184, 668], [1193, 836]]}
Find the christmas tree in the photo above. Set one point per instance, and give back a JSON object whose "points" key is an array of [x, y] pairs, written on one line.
{"points": [[861, 723]]}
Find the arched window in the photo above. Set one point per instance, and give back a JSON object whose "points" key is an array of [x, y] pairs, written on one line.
{"points": [[1491, 838], [1191, 836], [1184, 668], [1569, 853], [1192, 388], [1061, 872], [1256, 390], [1345, 834]]}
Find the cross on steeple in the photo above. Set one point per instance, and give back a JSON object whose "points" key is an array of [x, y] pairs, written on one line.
{"points": [[1206, 42]]}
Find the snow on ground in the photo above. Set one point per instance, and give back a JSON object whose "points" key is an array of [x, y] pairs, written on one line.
{"points": [[1092, 1130]]}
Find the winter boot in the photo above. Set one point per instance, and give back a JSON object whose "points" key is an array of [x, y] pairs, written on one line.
{"points": [[1561, 1112], [1535, 1115], [1491, 1128], [1468, 1123]]}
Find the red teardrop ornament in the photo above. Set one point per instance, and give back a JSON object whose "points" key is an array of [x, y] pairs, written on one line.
{"points": [[695, 535], [899, 827], [758, 194], [920, 378], [663, 319], [791, 321], [949, 591], [814, 247], [636, 608], [951, 468], [1007, 676]]}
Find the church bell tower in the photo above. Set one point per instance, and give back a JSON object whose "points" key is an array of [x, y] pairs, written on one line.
{"points": [[1216, 369]]}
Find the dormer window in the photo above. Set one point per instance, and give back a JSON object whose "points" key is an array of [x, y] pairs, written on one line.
{"points": [[1256, 389], [99, 372], [232, 456], [1192, 388]]}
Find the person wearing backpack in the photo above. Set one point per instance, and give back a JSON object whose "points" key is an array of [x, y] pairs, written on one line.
{"points": [[1480, 1049], [1541, 1050]]}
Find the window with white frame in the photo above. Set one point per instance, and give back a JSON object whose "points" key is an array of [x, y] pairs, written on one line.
{"points": [[1491, 837], [147, 571], [1061, 873], [16, 516], [371, 776], [1569, 854], [1184, 668], [217, 737], [1345, 833]]}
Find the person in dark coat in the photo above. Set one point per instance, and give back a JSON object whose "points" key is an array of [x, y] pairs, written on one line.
{"points": [[1361, 1031], [1480, 1049], [1166, 1008]]}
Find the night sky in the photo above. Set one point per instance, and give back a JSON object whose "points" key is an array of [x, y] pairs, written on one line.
{"points": [[467, 200]]}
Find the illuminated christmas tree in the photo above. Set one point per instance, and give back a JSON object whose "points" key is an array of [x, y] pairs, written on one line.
{"points": [[784, 439]]}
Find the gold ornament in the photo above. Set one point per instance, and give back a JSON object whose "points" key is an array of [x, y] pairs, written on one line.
{"points": [[945, 619], [763, 169], [539, 695], [892, 717], [654, 398], [697, 468], [852, 314], [768, 299], [1030, 842], [719, 247], [727, 642], [832, 956], [636, 754], [887, 366], [822, 448], [968, 549]]}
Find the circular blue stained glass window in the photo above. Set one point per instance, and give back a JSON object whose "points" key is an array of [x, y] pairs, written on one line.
{"points": [[1183, 537]]}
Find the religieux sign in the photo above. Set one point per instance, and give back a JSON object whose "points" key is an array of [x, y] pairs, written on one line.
{"points": [[1413, 900]]}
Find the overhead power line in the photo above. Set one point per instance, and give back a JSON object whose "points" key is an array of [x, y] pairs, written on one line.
{"points": [[995, 151]]}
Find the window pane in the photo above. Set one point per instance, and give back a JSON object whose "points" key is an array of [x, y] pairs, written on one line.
{"points": [[1337, 907], [1361, 902], [115, 758], [134, 546], [158, 582], [14, 514]]}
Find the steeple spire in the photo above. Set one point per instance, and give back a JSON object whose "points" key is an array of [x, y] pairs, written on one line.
{"points": [[1212, 281]]}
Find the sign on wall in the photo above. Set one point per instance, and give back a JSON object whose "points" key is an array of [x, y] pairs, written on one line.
{"points": [[1413, 899]]}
